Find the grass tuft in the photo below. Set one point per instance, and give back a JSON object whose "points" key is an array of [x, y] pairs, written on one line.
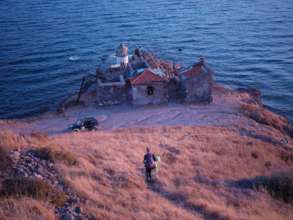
{"points": [[36, 189], [279, 185], [5, 160], [25, 209]]}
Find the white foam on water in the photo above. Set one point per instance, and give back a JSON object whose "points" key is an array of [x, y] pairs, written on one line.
{"points": [[73, 58]]}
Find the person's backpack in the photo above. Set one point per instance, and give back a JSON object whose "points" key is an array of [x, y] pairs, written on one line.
{"points": [[157, 158], [149, 161]]}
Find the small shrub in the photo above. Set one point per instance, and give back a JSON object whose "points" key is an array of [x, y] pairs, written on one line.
{"points": [[287, 157], [279, 185], [254, 155], [55, 155], [268, 164], [37, 189], [5, 160]]}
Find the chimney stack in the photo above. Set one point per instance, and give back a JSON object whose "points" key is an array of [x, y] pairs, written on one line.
{"points": [[201, 60]]}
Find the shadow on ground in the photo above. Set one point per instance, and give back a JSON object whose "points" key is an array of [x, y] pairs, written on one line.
{"points": [[181, 201], [278, 185]]}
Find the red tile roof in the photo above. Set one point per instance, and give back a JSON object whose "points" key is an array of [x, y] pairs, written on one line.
{"points": [[147, 76], [194, 71], [170, 70]]}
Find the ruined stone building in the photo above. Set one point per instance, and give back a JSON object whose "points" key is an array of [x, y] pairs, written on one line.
{"points": [[149, 87], [143, 79], [197, 83]]}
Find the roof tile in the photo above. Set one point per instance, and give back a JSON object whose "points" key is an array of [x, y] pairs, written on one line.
{"points": [[194, 71], [147, 76]]}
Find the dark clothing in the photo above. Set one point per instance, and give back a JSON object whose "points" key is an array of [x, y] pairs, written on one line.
{"points": [[148, 173], [149, 163], [149, 159]]}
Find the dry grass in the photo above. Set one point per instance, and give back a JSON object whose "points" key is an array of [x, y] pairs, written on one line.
{"points": [[25, 209], [34, 141], [38, 189], [198, 163], [28, 198], [279, 185], [12, 140], [55, 155], [201, 170], [5, 161], [264, 116]]}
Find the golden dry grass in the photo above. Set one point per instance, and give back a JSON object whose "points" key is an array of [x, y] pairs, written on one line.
{"points": [[197, 164], [40, 142], [196, 178], [264, 116], [38, 189], [13, 140], [55, 155], [5, 160], [25, 209]]}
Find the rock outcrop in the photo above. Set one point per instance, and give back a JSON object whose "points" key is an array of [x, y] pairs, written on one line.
{"points": [[33, 175], [254, 109]]}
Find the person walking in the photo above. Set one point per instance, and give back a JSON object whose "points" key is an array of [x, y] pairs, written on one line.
{"points": [[149, 164]]}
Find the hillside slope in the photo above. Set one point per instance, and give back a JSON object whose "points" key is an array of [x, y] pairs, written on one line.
{"points": [[216, 163]]}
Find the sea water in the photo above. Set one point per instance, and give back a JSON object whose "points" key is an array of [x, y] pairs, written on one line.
{"points": [[47, 46]]}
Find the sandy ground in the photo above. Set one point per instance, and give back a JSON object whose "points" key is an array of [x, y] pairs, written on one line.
{"points": [[223, 111]]}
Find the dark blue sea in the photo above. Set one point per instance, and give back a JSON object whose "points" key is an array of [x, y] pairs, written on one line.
{"points": [[47, 46]]}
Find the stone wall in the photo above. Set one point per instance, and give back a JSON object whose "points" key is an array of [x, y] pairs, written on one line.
{"points": [[198, 89], [175, 91], [111, 94], [140, 94], [113, 74]]}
